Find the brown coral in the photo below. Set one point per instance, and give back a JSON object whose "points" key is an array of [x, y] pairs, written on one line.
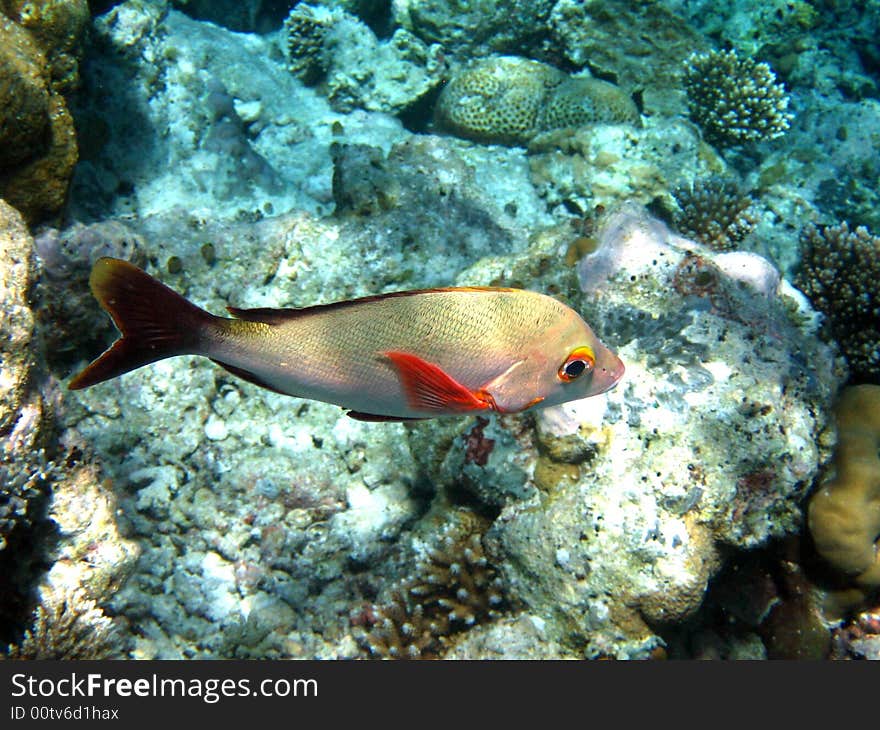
{"points": [[840, 274], [455, 588], [509, 100], [844, 513], [735, 99], [39, 48], [69, 625], [57, 27], [714, 211]]}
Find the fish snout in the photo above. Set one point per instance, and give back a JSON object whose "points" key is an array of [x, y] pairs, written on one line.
{"points": [[608, 373]]}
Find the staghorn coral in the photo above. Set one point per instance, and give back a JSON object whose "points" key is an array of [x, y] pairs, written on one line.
{"points": [[509, 100], [69, 625], [840, 273], [735, 99], [453, 589], [714, 211], [844, 512]]}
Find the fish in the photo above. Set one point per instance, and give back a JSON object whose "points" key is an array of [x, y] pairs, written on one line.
{"points": [[397, 356]]}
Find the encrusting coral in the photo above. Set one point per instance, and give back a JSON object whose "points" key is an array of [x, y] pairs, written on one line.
{"points": [[715, 212], [508, 100], [840, 274], [24, 424], [844, 513], [39, 48], [735, 99]]}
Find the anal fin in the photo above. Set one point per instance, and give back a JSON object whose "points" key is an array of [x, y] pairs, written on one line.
{"points": [[376, 418]]}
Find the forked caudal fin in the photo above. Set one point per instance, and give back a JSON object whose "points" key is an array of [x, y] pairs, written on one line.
{"points": [[155, 322]]}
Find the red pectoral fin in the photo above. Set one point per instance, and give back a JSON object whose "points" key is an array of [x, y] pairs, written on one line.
{"points": [[429, 388]]}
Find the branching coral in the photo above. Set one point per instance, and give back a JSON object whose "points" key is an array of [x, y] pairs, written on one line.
{"points": [[69, 626], [840, 273], [844, 513], [714, 211], [305, 31], [455, 588], [735, 99]]}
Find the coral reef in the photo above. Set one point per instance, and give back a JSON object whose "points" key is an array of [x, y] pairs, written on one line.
{"points": [[640, 46], [477, 27], [272, 527], [54, 510], [24, 424], [455, 587], [615, 509], [735, 99], [357, 69], [385, 76], [714, 211], [840, 273], [90, 560], [508, 100], [844, 511]]}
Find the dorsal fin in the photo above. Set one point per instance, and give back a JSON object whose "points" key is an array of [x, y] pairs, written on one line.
{"points": [[271, 315]]}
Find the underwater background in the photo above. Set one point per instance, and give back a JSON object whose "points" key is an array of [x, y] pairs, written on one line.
{"points": [[699, 180]]}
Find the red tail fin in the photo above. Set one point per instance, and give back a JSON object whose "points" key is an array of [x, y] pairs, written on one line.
{"points": [[155, 322]]}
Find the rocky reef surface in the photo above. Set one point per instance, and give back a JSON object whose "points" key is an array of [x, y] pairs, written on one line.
{"points": [[181, 512]]}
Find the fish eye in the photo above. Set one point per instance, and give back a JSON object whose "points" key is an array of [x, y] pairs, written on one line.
{"points": [[580, 361]]}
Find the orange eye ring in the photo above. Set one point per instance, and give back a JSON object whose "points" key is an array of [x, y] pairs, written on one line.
{"points": [[580, 361]]}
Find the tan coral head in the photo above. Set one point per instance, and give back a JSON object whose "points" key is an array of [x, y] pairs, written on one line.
{"points": [[844, 513]]}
